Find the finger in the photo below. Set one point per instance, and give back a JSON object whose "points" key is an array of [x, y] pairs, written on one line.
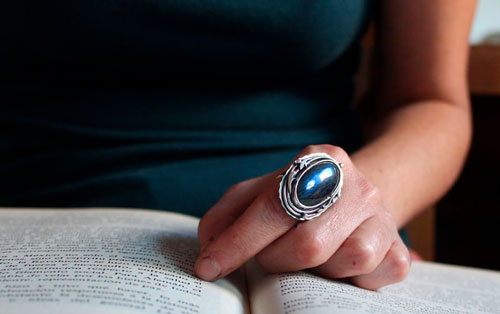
{"points": [[362, 251], [394, 268], [257, 227], [230, 206], [312, 243]]}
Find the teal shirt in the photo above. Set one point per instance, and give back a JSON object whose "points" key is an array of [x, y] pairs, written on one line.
{"points": [[166, 104]]}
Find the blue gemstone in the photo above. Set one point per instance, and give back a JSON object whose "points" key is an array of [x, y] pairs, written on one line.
{"points": [[317, 183]]}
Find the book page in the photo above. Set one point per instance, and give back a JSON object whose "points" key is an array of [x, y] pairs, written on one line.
{"points": [[429, 288], [107, 261]]}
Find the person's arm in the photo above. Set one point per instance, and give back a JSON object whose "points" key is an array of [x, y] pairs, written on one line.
{"points": [[422, 129], [416, 150]]}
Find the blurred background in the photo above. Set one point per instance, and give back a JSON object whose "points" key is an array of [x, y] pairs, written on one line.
{"points": [[464, 227]]}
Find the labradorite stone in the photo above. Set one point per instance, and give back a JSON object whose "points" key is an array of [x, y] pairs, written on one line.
{"points": [[317, 183]]}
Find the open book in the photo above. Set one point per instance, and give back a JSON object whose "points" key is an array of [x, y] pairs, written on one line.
{"points": [[140, 261]]}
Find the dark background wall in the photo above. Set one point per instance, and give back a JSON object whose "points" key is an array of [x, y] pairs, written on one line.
{"points": [[468, 218]]}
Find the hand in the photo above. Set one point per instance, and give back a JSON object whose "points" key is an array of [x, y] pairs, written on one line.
{"points": [[357, 237]]}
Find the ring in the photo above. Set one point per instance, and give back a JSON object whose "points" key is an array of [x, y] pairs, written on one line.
{"points": [[310, 186]]}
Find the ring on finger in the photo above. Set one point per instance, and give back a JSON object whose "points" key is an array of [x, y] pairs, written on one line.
{"points": [[310, 186]]}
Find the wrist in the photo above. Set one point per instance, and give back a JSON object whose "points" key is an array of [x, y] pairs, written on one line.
{"points": [[417, 156]]}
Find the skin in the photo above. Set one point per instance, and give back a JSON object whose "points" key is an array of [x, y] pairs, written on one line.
{"points": [[419, 133]]}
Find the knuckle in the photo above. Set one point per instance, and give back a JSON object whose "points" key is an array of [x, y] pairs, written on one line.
{"points": [[310, 250], [400, 265], [326, 148], [336, 152], [368, 190], [362, 255], [310, 149]]}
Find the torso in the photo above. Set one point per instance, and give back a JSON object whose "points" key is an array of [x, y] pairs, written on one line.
{"points": [[166, 104]]}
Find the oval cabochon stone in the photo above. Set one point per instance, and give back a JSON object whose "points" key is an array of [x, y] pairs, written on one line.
{"points": [[317, 183]]}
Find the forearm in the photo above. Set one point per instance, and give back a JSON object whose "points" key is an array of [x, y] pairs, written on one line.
{"points": [[416, 155]]}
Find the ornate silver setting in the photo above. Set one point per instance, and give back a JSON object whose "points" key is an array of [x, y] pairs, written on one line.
{"points": [[291, 178]]}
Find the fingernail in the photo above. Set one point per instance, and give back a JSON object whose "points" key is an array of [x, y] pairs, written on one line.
{"points": [[207, 268]]}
